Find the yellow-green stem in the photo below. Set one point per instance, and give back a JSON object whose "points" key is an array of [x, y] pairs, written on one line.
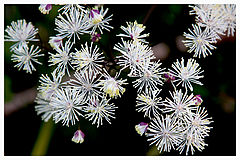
{"points": [[41, 145]]}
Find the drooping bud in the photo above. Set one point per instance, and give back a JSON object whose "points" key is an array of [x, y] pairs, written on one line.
{"points": [[55, 42], [95, 16], [198, 100], [78, 136], [45, 8], [168, 77], [95, 37], [141, 128]]}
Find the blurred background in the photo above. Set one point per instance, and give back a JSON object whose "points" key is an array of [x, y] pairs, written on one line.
{"points": [[26, 134]]}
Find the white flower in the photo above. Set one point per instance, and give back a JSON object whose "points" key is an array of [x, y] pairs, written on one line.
{"points": [[55, 42], [62, 58], [20, 32], [87, 83], [98, 110], [186, 75], [216, 17], [164, 132], [48, 87], [149, 103], [43, 107], [199, 9], [229, 11], [67, 104], [74, 24], [149, 77], [133, 31], [200, 42], [68, 7], [180, 105], [24, 57], [97, 19], [112, 86], [199, 122], [88, 58], [78, 136], [211, 17], [141, 128], [190, 141], [45, 8], [196, 130], [134, 55]]}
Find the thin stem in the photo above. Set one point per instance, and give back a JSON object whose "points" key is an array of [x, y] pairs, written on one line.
{"points": [[173, 86], [41, 145], [149, 13], [43, 47], [20, 100]]}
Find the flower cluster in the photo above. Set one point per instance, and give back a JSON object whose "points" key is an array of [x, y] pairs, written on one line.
{"points": [[76, 20], [177, 122], [22, 32], [81, 86], [81, 95], [89, 92], [138, 57], [183, 124], [212, 21]]}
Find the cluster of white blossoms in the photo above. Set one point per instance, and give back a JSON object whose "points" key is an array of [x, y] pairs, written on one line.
{"points": [[76, 20], [175, 123], [212, 22], [138, 57], [22, 33], [81, 87], [178, 122]]}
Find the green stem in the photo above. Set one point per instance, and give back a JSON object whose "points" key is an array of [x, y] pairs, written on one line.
{"points": [[41, 145]]}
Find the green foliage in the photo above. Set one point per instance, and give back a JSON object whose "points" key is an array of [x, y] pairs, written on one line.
{"points": [[7, 89], [203, 91], [175, 9], [169, 16], [7, 53]]}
